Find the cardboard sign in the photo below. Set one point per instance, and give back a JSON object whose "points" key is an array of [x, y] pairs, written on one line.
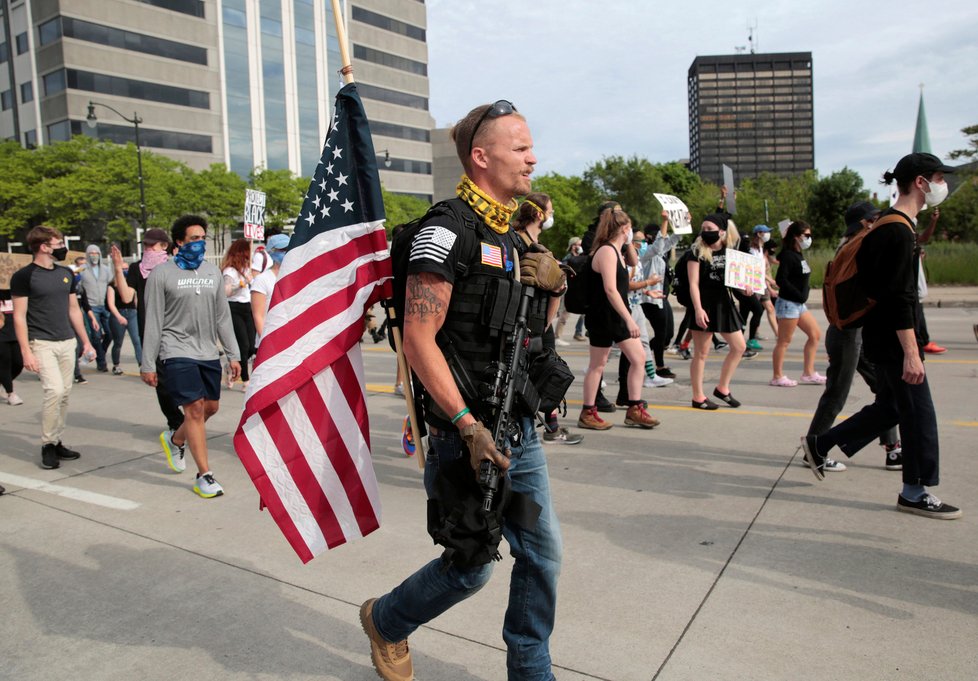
{"points": [[11, 262], [728, 182], [744, 270], [254, 215], [783, 226], [678, 213]]}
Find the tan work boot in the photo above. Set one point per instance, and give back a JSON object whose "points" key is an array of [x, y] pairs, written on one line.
{"points": [[589, 419], [637, 416], [391, 660]]}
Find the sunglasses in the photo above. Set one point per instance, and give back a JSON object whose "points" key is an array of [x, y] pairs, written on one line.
{"points": [[502, 107]]}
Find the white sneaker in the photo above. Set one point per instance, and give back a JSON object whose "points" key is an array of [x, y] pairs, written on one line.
{"points": [[13, 399], [207, 487], [657, 382], [175, 454], [561, 342]]}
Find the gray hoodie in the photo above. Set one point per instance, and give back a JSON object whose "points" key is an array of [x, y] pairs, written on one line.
{"points": [[186, 314]]}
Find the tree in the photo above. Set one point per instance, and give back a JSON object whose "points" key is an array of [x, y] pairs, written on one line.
{"points": [[972, 151], [574, 203], [17, 181], [769, 199], [830, 198], [631, 182], [283, 194], [401, 208]]}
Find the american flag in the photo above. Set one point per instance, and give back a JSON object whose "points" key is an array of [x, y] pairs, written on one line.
{"points": [[304, 436]]}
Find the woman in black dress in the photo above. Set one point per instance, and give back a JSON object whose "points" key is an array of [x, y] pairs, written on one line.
{"points": [[609, 320], [713, 309]]}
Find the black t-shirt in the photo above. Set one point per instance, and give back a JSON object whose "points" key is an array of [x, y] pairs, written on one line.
{"points": [[436, 249], [47, 292], [7, 330], [793, 276], [137, 282]]}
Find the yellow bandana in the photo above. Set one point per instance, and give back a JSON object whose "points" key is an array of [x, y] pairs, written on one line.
{"points": [[495, 214]]}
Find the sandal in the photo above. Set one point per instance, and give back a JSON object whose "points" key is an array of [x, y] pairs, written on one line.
{"points": [[728, 398], [707, 404], [783, 382]]}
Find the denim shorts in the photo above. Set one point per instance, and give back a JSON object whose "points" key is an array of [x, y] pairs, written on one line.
{"points": [[189, 380], [786, 309]]}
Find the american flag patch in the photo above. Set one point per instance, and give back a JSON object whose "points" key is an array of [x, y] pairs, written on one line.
{"points": [[492, 255], [432, 243]]}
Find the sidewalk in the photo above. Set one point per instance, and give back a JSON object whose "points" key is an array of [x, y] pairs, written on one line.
{"points": [[699, 551]]}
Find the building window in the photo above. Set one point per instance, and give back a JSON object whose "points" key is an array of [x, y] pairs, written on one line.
{"points": [[194, 8], [49, 31], [4, 52], [21, 43], [401, 131], [27, 92], [6, 99], [390, 60], [148, 137], [30, 139], [136, 42], [407, 165], [54, 82], [387, 23], [137, 89], [59, 132], [392, 96]]}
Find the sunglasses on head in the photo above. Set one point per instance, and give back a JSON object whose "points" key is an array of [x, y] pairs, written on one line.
{"points": [[502, 107]]}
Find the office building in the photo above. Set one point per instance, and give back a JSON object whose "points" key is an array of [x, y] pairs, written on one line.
{"points": [[248, 83], [752, 112]]}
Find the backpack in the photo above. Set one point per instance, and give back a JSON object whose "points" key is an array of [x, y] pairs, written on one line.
{"points": [[844, 298], [680, 282], [578, 268], [401, 253]]}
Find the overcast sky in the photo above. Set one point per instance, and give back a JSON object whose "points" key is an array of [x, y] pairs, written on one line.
{"points": [[607, 78]]}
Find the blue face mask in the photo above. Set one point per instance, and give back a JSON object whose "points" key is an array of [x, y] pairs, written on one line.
{"points": [[642, 248], [191, 255], [277, 256]]}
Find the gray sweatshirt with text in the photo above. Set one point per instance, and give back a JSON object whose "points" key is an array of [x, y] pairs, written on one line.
{"points": [[186, 314]]}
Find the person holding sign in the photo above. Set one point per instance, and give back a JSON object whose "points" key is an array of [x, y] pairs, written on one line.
{"points": [[792, 280], [713, 309]]}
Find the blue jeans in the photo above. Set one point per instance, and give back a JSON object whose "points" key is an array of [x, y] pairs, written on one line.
{"points": [[132, 328], [102, 338], [897, 403], [529, 618], [845, 359]]}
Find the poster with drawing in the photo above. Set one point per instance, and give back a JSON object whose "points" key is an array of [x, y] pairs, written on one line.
{"points": [[744, 270], [678, 213]]}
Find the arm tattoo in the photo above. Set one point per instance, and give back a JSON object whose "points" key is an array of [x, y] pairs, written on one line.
{"points": [[422, 301]]}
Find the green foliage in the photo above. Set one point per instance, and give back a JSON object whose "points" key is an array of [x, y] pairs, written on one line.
{"points": [[950, 263], [787, 199], [284, 193], [574, 203], [830, 198], [400, 208], [972, 150]]}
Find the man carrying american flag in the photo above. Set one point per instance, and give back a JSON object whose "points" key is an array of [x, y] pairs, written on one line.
{"points": [[304, 436], [455, 276]]}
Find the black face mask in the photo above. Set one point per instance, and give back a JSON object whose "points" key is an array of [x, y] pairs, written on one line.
{"points": [[59, 254], [709, 238]]}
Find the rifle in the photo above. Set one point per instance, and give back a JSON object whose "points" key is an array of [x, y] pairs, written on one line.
{"points": [[511, 381]]}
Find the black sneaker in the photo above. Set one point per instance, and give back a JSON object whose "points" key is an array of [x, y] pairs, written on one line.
{"points": [[603, 405], [749, 354], [65, 453], [665, 372], [49, 456], [80, 380], [684, 353], [894, 457], [814, 460], [929, 507]]}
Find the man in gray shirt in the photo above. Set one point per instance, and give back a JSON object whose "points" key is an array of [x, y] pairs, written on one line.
{"points": [[186, 314], [95, 280]]}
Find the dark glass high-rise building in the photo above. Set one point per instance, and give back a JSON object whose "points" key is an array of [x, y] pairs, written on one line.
{"points": [[752, 112]]}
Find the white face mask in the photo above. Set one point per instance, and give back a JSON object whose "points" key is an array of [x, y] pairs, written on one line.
{"points": [[548, 223], [936, 193], [765, 237], [805, 243]]}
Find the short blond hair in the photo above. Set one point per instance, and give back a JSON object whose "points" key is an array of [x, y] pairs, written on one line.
{"points": [[462, 132]]}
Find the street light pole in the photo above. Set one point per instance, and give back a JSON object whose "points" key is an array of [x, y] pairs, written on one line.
{"points": [[91, 120]]}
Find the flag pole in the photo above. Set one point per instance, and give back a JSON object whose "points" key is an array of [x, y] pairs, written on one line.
{"points": [[404, 368]]}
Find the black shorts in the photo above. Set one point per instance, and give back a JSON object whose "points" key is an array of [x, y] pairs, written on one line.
{"points": [[607, 335], [189, 380]]}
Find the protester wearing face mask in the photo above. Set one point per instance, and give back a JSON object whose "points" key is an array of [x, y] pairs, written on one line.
{"points": [[713, 309], [94, 283], [131, 285], [573, 250], [888, 263], [186, 313], [792, 280], [263, 285], [759, 304]]}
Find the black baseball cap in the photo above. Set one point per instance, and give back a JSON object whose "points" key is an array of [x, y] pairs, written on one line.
{"points": [[155, 236], [919, 163], [861, 210]]}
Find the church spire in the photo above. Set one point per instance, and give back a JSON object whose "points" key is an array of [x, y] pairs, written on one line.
{"points": [[921, 138]]}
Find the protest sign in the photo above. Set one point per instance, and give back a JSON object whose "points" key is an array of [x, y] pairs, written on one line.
{"points": [[783, 226], [728, 182], [11, 262], [254, 215], [678, 213], [744, 270]]}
